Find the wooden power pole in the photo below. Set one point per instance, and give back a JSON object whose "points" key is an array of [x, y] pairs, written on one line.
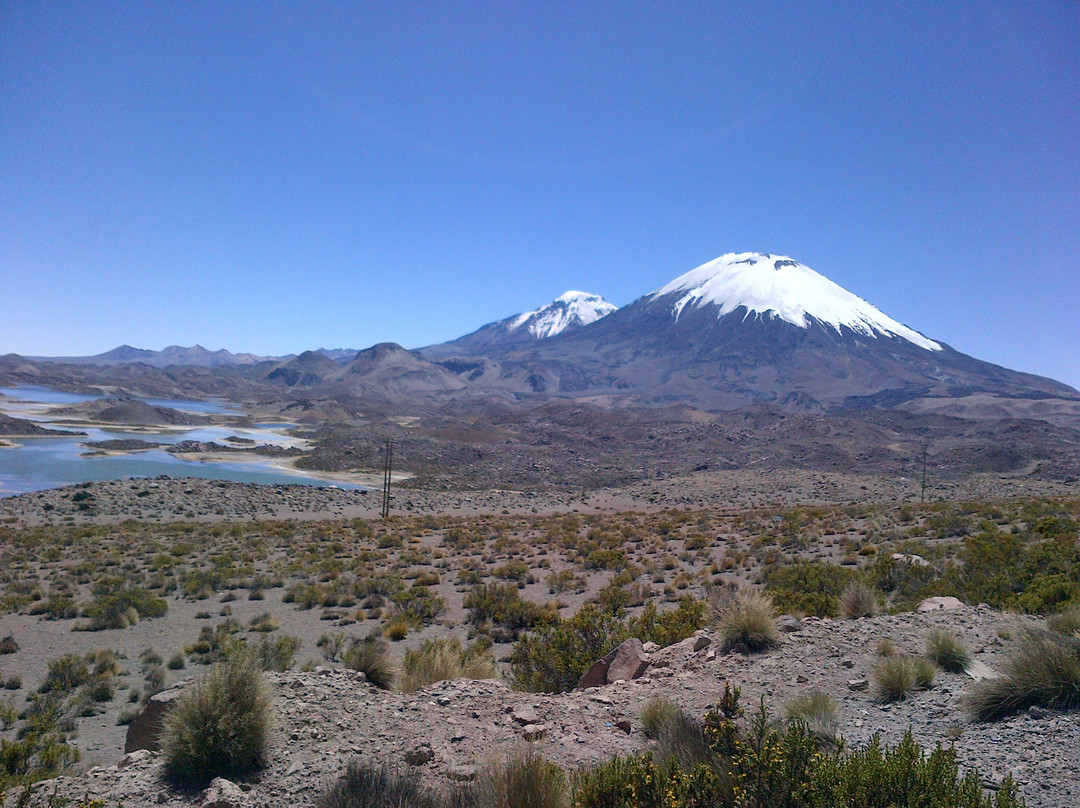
{"points": [[922, 496], [388, 463]]}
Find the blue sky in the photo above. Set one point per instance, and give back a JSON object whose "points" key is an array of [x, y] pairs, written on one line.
{"points": [[272, 177]]}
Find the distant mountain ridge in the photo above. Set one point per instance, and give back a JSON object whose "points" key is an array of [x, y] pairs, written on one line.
{"points": [[744, 329], [194, 356], [566, 313]]}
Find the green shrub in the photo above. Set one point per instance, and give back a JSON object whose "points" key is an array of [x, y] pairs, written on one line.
{"points": [[747, 620], [419, 604], [1042, 669], [947, 650], [117, 604], [372, 658], [858, 600], [553, 658], [760, 765], [665, 628], [275, 654], [1050, 593], [220, 726], [500, 605], [811, 588]]}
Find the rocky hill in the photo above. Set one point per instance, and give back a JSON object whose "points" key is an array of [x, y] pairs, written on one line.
{"points": [[450, 730]]}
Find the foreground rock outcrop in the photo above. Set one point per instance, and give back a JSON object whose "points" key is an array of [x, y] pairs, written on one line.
{"points": [[451, 729]]}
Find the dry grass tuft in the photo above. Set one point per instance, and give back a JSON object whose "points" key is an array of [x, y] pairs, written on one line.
{"points": [[858, 600], [220, 726], [747, 619], [1043, 670]]}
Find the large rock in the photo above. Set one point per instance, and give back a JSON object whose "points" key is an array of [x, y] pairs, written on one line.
{"points": [[941, 603], [145, 731], [223, 793], [627, 661]]}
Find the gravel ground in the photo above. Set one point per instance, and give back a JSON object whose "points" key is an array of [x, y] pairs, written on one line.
{"points": [[327, 717]]}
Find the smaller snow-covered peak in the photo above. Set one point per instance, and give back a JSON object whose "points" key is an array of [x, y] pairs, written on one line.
{"points": [[779, 286], [569, 310]]}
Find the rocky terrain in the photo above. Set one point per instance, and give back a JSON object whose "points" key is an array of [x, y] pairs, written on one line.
{"points": [[447, 731]]}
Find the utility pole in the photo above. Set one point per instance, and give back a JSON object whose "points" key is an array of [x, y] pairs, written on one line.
{"points": [[922, 496], [388, 462]]}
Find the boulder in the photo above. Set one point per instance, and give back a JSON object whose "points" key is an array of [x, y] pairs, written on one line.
{"points": [[788, 623], [222, 793], [145, 731], [627, 661], [941, 603], [419, 755]]}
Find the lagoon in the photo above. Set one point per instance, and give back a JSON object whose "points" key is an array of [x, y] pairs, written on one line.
{"points": [[35, 464]]}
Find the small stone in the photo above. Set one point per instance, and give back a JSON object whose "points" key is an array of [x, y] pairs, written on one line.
{"points": [[700, 641], [800, 679], [941, 603], [133, 757], [442, 701], [788, 623], [858, 684], [462, 774], [1039, 712], [847, 663], [525, 715], [650, 648], [624, 725], [533, 732], [222, 793], [419, 755]]}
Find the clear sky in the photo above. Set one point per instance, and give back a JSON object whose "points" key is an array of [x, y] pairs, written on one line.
{"points": [[273, 177]]}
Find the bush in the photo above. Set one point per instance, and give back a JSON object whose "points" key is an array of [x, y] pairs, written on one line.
{"points": [[858, 600], [947, 650], [119, 605], [747, 619], [1042, 670], [552, 659], [220, 726], [677, 735], [372, 658], [760, 765], [275, 654], [501, 605], [811, 588], [665, 628]]}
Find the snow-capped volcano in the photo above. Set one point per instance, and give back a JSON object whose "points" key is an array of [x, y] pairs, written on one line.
{"points": [[566, 313], [778, 286], [568, 310]]}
